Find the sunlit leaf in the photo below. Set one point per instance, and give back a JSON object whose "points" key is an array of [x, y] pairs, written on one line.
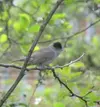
{"points": [[17, 26], [66, 71], [95, 41], [91, 104], [1, 29], [5, 15], [10, 22], [25, 17], [24, 49], [58, 16], [67, 25], [58, 104], [76, 74], [93, 96], [35, 4], [68, 2], [44, 8], [36, 48], [3, 38], [78, 64], [48, 91], [48, 36], [24, 21], [97, 1], [34, 28]]}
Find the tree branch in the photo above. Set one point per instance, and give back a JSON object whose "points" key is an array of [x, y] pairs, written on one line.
{"points": [[30, 52], [36, 68], [73, 35], [76, 60], [66, 86], [83, 29]]}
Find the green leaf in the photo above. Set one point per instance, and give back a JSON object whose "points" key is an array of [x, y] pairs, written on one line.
{"points": [[1, 29], [48, 36], [95, 41], [35, 4], [48, 92], [58, 16], [44, 8], [17, 26], [4, 46], [78, 64], [24, 49], [24, 21], [76, 74], [93, 96], [66, 71], [68, 2], [3, 38], [58, 104], [36, 48], [91, 104], [5, 15], [97, 1], [34, 28], [66, 25], [10, 22]]}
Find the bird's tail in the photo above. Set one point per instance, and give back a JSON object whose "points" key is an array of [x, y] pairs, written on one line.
{"points": [[22, 59]]}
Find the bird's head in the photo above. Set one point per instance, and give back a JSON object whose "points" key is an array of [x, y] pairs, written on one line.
{"points": [[57, 47]]}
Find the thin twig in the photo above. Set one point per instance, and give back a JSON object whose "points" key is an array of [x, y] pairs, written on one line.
{"points": [[76, 60], [73, 35], [89, 92], [66, 86], [5, 51], [11, 66]]}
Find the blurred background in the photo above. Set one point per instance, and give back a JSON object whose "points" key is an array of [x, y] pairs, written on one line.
{"points": [[20, 21]]}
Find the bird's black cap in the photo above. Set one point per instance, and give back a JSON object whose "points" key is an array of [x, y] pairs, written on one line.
{"points": [[57, 45]]}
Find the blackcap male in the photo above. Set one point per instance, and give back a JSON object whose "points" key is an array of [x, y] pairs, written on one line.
{"points": [[45, 55]]}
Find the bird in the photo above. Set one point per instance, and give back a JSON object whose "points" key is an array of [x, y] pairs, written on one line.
{"points": [[45, 55]]}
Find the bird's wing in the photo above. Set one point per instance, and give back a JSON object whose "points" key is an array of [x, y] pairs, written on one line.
{"points": [[42, 56], [21, 59], [32, 56]]}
